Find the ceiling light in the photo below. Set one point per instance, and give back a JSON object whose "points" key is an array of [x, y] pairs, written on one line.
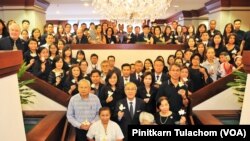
{"points": [[86, 4], [132, 11]]}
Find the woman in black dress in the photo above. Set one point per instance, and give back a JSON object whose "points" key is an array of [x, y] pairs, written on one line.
{"points": [[42, 66], [165, 116], [57, 75], [111, 92], [110, 38], [71, 83], [148, 92], [30, 56], [198, 74]]}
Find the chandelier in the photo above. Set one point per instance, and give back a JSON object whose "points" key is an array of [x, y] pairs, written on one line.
{"points": [[131, 11]]}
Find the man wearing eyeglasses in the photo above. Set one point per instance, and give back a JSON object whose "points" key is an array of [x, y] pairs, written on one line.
{"points": [[128, 109]]}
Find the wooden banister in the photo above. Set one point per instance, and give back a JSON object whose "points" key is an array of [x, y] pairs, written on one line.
{"points": [[128, 46], [50, 127], [246, 61], [47, 89], [10, 62], [210, 90]]}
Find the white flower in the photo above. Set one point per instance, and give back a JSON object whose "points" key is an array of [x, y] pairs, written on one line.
{"points": [[181, 84], [33, 54], [121, 107], [69, 65], [110, 93], [148, 94], [73, 81], [159, 82], [86, 122], [234, 51], [58, 74], [60, 51], [140, 74], [185, 79], [42, 59], [93, 85], [187, 36], [78, 60], [112, 42], [150, 68], [181, 112], [146, 39], [51, 58]]}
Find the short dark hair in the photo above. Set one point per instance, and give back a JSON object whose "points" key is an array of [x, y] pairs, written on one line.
{"points": [[32, 39], [159, 60], [158, 103], [145, 26], [237, 20], [27, 21], [104, 109], [82, 61], [94, 55], [126, 65], [95, 71], [56, 59], [111, 56]]}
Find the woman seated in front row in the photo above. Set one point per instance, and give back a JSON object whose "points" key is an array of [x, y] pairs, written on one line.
{"points": [[105, 129], [167, 117]]}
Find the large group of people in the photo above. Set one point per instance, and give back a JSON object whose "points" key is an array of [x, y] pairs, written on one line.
{"points": [[105, 98]]}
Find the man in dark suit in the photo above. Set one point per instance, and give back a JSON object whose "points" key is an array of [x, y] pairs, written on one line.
{"points": [[96, 84], [212, 31], [130, 38], [159, 76], [145, 36], [80, 38], [138, 72], [126, 76], [127, 110], [49, 29], [13, 42]]}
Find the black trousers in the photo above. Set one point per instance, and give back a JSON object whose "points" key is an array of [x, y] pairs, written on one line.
{"points": [[81, 135]]}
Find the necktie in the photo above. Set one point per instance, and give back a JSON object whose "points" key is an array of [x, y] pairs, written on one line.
{"points": [[14, 46], [131, 109], [139, 78], [157, 77]]}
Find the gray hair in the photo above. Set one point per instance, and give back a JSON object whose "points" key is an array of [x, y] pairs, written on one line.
{"points": [[84, 81], [145, 116]]}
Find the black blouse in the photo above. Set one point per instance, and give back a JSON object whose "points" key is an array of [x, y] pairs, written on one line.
{"points": [[111, 40], [142, 93], [169, 120], [198, 78], [36, 70], [52, 79], [28, 56], [117, 95]]}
